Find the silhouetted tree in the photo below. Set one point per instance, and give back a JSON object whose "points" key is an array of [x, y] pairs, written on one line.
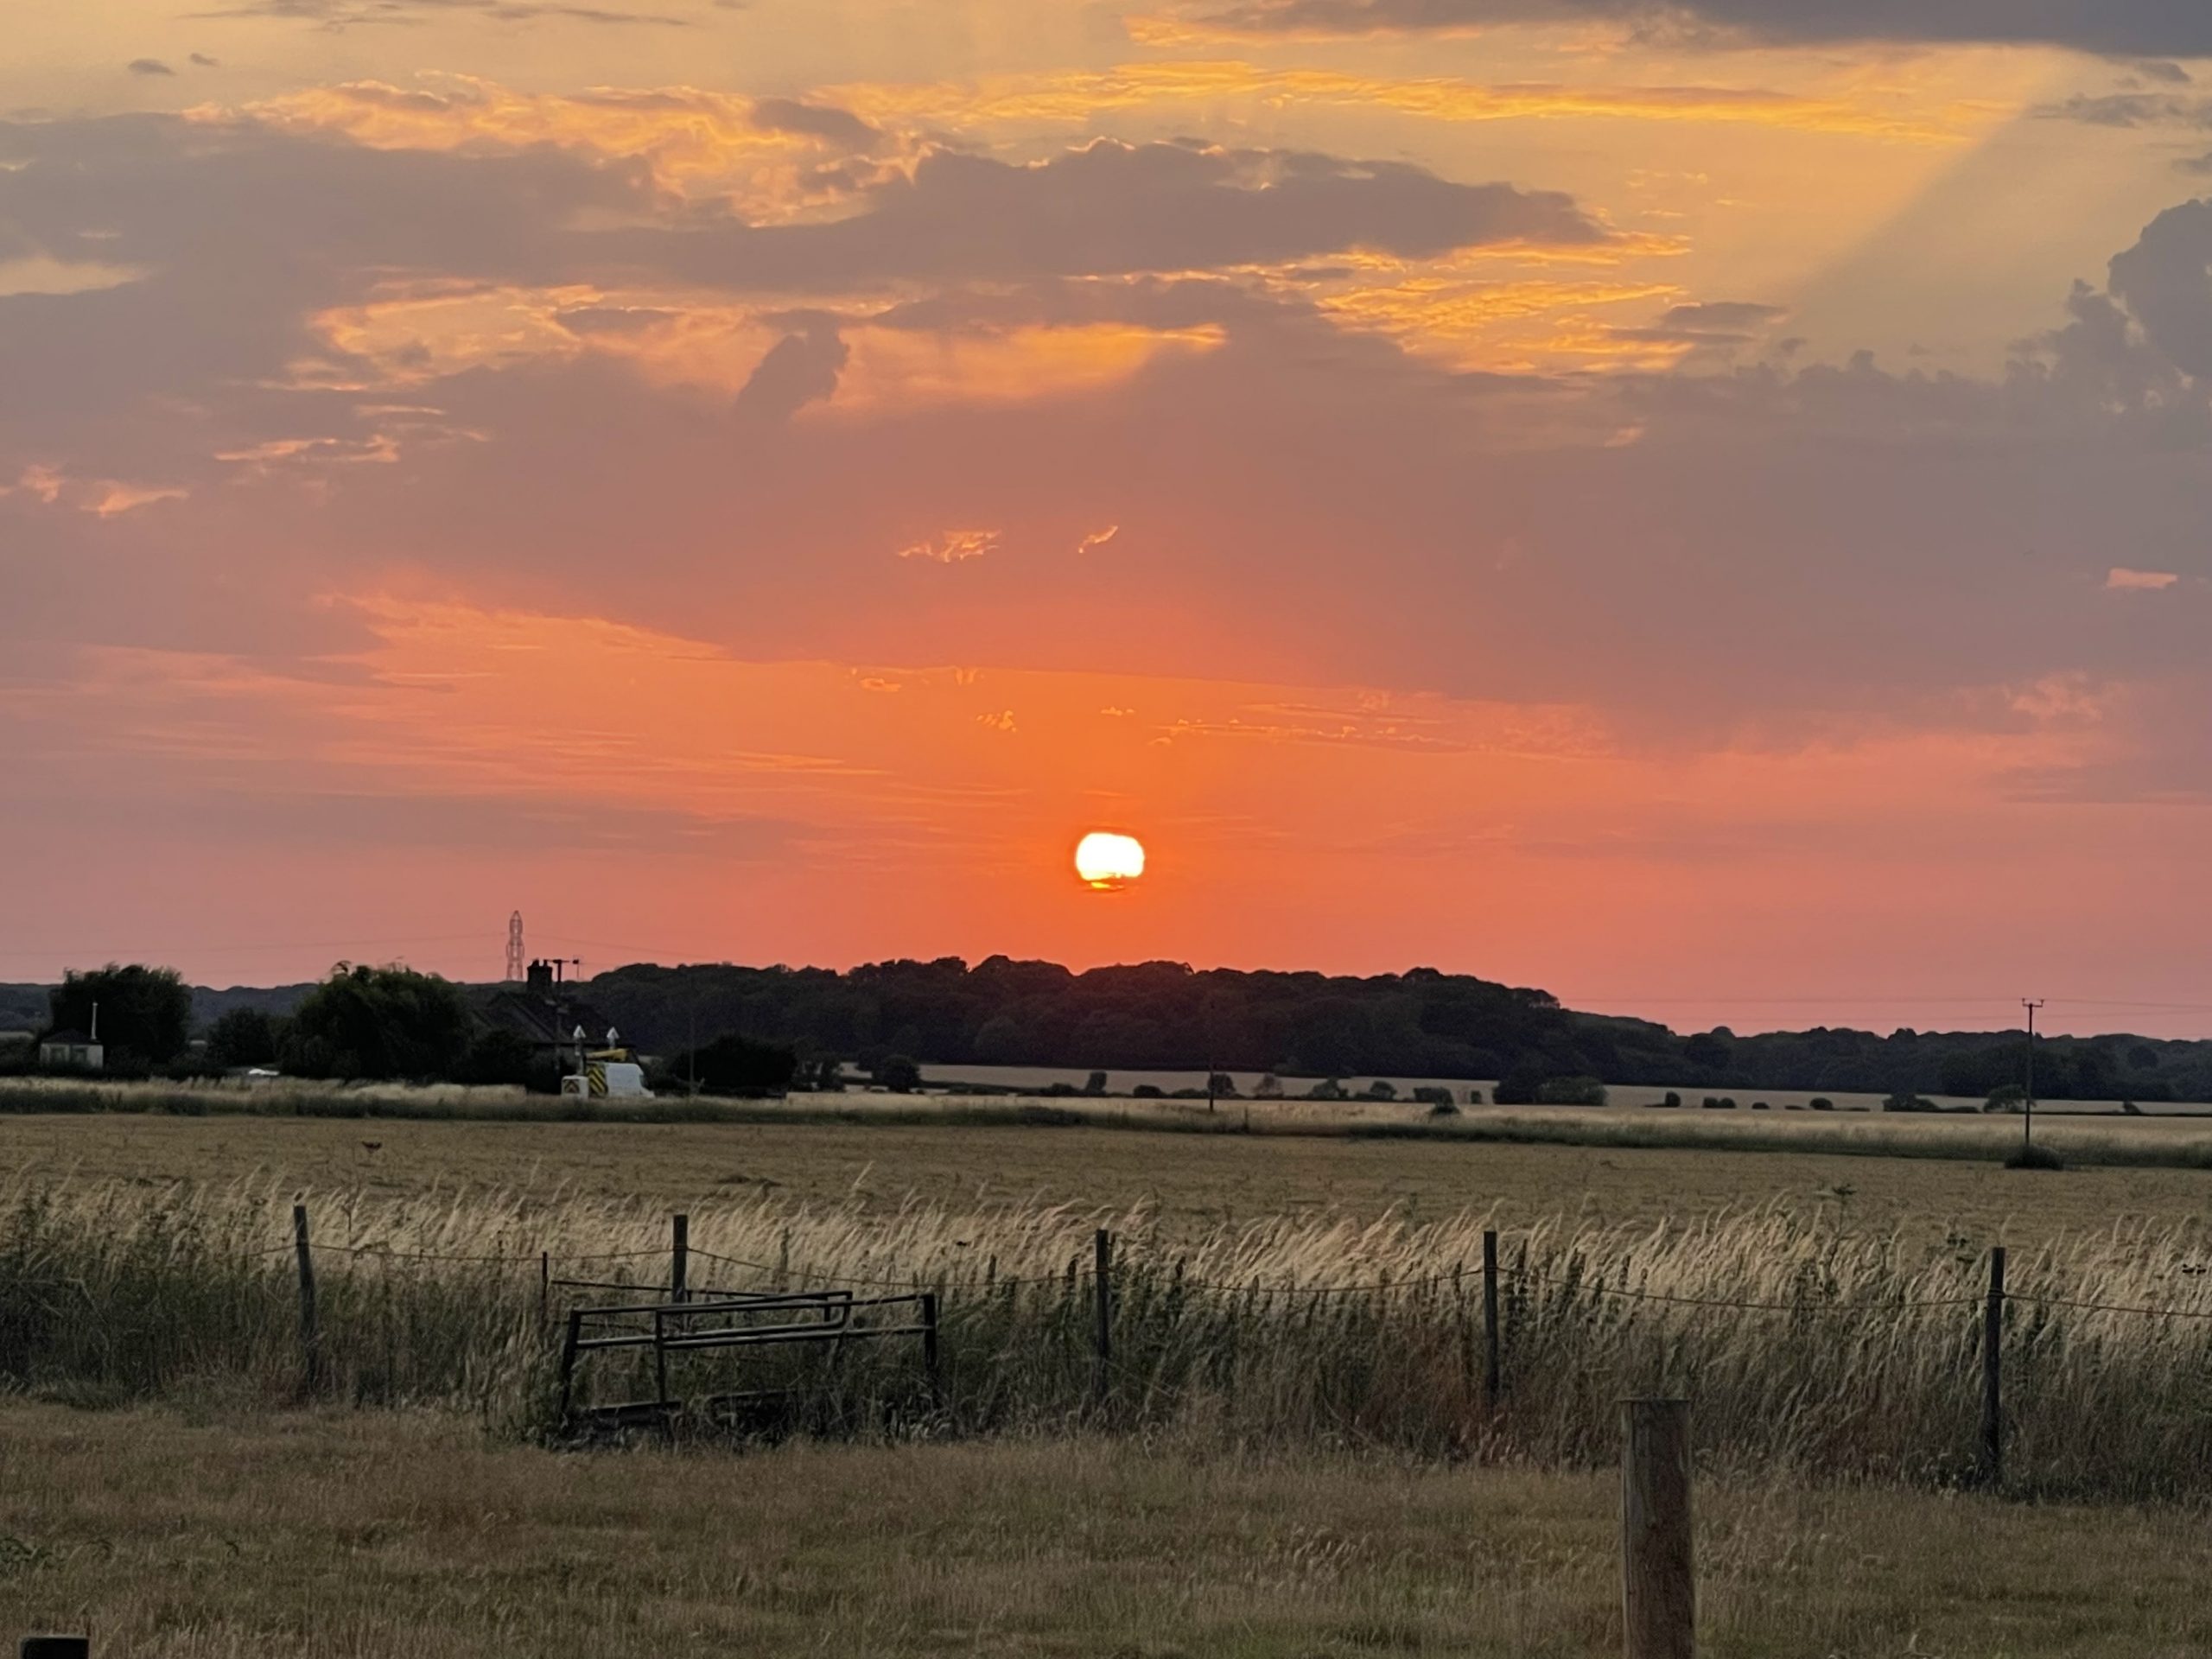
{"points": [[738, 1065], [145, 1013], [379, 1023], [244, 1037]]}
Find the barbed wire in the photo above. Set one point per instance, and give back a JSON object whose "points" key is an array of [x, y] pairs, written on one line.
{"points": [[1085, 1281], [2109, 1308], [1258, 1287], [1599, 1288], [385, 1252], [791, 1271]]}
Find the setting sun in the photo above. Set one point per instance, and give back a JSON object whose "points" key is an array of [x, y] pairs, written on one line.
{"points": [[1108, 861]]}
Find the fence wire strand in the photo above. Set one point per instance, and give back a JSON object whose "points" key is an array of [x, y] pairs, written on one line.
{"points": [[1082, 1278]]}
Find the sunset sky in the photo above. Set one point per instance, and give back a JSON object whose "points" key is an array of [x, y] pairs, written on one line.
{"points": [[1704, 508]]}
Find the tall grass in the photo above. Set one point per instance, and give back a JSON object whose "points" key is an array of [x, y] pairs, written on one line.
{"points": [[1838, 1354]]}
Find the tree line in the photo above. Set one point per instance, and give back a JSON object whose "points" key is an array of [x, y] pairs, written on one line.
{"points": [[759, 1029], [1165, 1015], [364, 1023]]}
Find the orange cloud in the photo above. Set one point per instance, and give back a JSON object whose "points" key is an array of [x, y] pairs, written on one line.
{"points": [[698, 144], [1505, 325], [418, 332], [2119, 576], [893, 369], [1080, 97]]}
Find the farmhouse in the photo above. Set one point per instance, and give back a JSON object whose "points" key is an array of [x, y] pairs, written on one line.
{"points": [[543, 1011]]}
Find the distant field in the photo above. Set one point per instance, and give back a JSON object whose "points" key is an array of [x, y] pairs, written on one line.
{"points": [[1039, 1077], [1190, 1181], [216, 1531]]}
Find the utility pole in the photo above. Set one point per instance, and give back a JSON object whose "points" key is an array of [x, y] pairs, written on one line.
{"points": [[2028, 1106]]}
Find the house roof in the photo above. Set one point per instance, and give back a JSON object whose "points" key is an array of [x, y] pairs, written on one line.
{"points": [[540, 1018], [69, 1038]]}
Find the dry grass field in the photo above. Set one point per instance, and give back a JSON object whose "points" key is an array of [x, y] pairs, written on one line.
{"points": [[213, 1532], [1288, 1461], [1189, 1182]]}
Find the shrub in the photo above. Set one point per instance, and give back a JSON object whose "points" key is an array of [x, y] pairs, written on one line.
{"points": [[738, 1065], [1474, 1097], [1822, 1104], [498, 1057], [1149, 1091], [1096, 1084], [898, 1073], [244, 1037], [1571, 1091], [1517, 1088], [2034, 1157], [1444, 1109], [1381, 1088], [1759, 1106], [1434, 1095], [1672, 1099]]}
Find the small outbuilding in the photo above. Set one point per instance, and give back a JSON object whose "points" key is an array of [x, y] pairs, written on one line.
{"points": [[72, 1048]]}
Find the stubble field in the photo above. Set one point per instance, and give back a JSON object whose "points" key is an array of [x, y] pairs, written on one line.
{"points": [[1189, 1182]]}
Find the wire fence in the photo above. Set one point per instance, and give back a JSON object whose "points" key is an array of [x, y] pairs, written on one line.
{"points": [[1859, 1362], [1590, 1284]]}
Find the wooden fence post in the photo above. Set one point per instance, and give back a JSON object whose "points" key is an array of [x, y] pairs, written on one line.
{"points": [[1493, 1370], [1102, 1304], [930, 1356], [679, 1258], [1992, 1360], [57, 1647], [310, 1333], [545, 1288], [1658, 1567]]}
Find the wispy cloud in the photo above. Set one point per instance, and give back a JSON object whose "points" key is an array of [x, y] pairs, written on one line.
{"points": [[953, 546]]}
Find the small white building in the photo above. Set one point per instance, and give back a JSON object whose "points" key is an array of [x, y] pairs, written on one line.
{"points": [[72, 1048]]}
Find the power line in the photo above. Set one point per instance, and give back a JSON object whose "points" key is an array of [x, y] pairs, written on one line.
{"points": [[79, 950]]}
